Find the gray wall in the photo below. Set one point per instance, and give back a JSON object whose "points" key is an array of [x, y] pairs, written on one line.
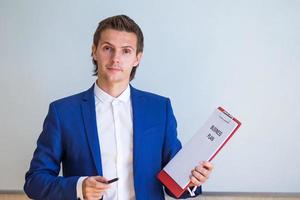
{"points": [[242, 55]]}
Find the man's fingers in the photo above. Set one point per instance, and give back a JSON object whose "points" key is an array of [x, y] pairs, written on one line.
{"points": [[101, 186], [98, 183], [94, 196], [195, 181], [200, 175], [100, 179], [197, 178], [208, 165], [94, 187], [203, 171]]}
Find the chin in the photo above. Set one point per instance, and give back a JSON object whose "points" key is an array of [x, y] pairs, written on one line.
{"points": [[115, 79]]}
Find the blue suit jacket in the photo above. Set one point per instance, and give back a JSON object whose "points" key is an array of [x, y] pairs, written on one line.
{"points": [[70, 138]]}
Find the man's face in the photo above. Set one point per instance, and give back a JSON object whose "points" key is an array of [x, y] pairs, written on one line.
{"points": [[116, 56]]}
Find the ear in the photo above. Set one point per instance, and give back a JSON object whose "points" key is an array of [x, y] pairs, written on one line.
{"points": [[94, 49], [138, 59]]}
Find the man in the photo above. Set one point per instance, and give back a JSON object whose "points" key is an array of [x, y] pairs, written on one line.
{"points": [[111, 130]]}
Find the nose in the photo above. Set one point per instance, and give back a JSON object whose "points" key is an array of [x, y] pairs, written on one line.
{"points": [[116, 57]]}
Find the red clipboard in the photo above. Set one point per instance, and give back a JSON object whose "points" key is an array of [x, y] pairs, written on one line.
{"points": [[172, 184]]}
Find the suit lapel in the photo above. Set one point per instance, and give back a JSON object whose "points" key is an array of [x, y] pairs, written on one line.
{"points": [[89, 118], [138, 110]]}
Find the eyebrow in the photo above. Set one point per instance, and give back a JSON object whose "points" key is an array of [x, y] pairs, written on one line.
{"points": [[123, 47]]}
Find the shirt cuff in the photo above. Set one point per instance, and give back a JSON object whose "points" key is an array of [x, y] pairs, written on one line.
{"points": [[79, 187]]}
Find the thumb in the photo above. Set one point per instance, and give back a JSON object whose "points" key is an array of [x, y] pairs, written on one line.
{"points": [[101, 179]]}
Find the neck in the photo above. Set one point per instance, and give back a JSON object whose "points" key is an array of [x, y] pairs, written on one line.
{"points": [[114, 89]]}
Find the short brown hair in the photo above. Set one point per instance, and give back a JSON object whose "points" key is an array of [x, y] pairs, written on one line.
{"points": [[120, 23]]}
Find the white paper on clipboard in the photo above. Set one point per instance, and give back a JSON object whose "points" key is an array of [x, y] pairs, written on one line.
{"points": [[203, 146]]}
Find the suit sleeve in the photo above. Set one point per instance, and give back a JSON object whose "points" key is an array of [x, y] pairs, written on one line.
{"points": [[42, 180], [172, 145]]}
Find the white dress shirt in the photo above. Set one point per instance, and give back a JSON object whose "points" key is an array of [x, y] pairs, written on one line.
{"points": [[115, 133]]}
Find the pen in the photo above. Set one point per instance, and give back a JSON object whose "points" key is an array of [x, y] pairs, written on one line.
{"points": [[112, 180]]}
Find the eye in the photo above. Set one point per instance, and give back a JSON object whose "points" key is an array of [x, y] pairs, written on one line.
{"points": [[127, 51], [107, 48]]}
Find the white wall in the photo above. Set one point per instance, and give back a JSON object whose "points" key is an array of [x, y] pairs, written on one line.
{"points": [[243, 55]]}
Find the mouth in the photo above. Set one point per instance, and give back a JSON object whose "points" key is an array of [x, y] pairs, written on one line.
{"points": [[114, 69]]}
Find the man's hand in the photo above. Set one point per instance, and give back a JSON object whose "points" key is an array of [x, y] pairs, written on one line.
{"points": [[93, 187], [200, 173]]}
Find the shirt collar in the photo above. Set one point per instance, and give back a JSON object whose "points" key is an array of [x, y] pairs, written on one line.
{"points": [[105, 97]]}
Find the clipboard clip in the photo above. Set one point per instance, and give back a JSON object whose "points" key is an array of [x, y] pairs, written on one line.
{"points": [[225, 116]]}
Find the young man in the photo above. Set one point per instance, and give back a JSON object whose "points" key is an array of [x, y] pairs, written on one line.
{"points": [[111, 130]]}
